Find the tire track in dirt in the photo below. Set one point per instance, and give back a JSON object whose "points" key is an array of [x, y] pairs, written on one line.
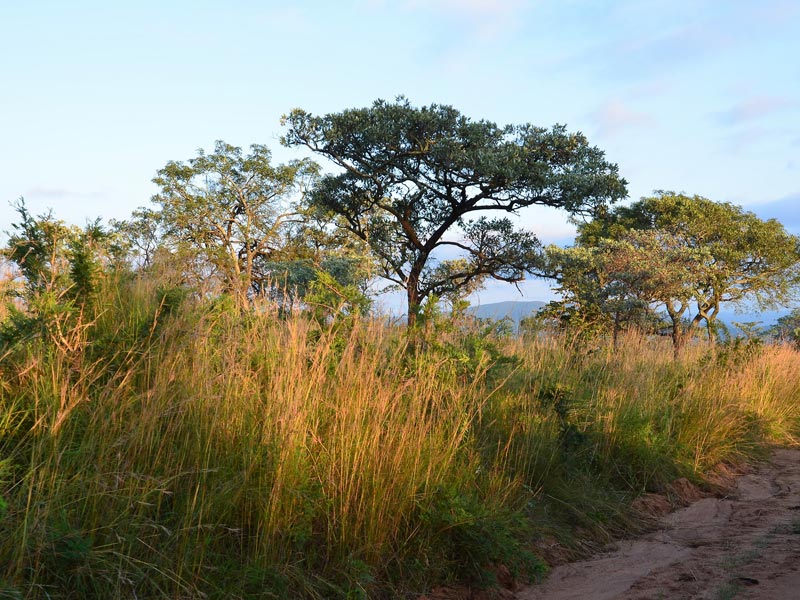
{"points": [[743, 546]]}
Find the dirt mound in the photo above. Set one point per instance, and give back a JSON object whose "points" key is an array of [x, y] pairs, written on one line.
{"points": [[652, 505], [685, 491]]}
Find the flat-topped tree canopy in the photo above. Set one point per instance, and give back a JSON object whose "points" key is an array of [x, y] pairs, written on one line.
{"points": [[414, 180]]}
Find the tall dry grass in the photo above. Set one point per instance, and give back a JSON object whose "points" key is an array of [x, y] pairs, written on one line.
{"points": [[164, 448]]}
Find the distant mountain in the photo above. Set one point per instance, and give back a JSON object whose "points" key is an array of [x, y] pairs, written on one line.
{"points": [[514, 310], [518, 310], [763, 319]]}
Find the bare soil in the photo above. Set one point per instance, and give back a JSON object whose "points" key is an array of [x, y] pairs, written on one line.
{"points": [[743, 544]]}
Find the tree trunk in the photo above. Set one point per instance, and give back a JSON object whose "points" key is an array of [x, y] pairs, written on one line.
{"points": [[678, 338], [413, 293], [678, 333], [711, 318], [413, 303]]}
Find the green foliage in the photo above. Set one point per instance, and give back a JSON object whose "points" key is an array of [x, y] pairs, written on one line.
{"points": [[62, 269], [738, 351], [597, 297], [140, 236], [39, 248], [337, 283], [69, 547], [558, 398], [788, 328], [469, 348], [17, 326], [467, 537], [412, 177], [751, 330], [674, 251], [229, 212], [329, 299], [251, 581], [88, 251]]}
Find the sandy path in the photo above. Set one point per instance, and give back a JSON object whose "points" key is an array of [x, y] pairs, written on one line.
{"points": [[744, 546]]}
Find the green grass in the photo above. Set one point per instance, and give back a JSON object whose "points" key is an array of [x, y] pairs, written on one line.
{"points": [[162, 448]]}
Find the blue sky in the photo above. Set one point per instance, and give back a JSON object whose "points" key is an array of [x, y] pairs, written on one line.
{"points": [[698, 96]]}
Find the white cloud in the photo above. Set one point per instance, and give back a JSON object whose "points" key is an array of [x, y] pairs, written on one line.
{"points": [[774, 13], [45, 193], [549, 224], [756, 107], [529, 289], [615, 116], [488, 19], [479, 8], [786, 210]]}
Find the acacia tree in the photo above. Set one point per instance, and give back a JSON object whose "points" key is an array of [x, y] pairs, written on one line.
{"points": [[690, 255], [414, 181], [231, 210]]}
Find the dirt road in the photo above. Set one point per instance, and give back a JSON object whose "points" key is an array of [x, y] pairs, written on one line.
{"points": [[745, 545]]}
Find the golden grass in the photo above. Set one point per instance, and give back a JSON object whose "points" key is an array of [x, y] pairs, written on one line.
{"points": [[181, 451]]}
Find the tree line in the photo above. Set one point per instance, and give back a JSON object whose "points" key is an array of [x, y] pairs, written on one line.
{"points": [[405, 188]]}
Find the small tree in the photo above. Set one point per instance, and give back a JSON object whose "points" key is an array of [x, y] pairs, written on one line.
{"points": [[597, 296], [231, 210], [414, 181], [53, 257], [59, 268], [39, 247]]}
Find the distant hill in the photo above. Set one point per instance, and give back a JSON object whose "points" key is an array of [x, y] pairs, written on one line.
{"points": [[764, 319], [514, 310], [518, 310]]}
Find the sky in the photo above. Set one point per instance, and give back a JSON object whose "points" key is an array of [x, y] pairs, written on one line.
{"points": [[700, 96]]}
